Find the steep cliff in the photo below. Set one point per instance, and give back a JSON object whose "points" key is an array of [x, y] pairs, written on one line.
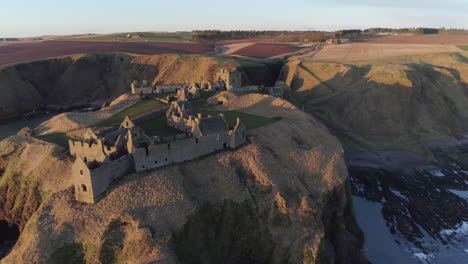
{"points": [[397, 103], [93, 78], [403, 124], [281, 198]]}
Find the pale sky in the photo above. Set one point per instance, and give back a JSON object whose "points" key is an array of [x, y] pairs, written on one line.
{"points": [[20, 18]]}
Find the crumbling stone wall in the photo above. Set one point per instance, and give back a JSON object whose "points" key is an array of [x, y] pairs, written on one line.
{"points": [[90, 184], [91, 151]]}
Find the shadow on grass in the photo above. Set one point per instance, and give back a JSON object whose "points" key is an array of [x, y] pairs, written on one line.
{"points": [[138, 109], [158, 127], [250, 121]]}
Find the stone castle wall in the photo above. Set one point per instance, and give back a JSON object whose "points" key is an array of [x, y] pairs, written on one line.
{"points": [[159, 155], [103, 176], [91, 184], [95, 151]]}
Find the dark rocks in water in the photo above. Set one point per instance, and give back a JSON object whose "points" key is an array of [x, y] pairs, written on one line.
{"points": [[9, 234], [417, 200]]}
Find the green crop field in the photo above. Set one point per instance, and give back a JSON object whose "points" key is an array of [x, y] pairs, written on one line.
{"points": [[463, 47], [138, 109]]}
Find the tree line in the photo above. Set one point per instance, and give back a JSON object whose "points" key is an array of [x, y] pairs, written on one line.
{"points": [[277, 36], [419, 31]]}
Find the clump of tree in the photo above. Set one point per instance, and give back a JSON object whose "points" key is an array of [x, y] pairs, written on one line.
{"points": [[276, 36], [214, 35], [421, 31], [347, 33]]}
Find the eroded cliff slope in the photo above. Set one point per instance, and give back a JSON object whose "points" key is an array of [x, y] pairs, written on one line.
{"points": [[397, 103], [92, 78], [281, 198]]}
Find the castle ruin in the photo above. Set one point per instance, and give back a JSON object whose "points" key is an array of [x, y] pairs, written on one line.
{"points": [[102, 159]]}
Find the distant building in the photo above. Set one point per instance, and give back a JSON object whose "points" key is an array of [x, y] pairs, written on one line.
{"points": [[231, 80]]}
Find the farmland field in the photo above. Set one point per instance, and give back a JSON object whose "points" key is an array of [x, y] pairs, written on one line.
{"points": [[266, 50], [137, 37], [367, 51], [415, 39], [463, 47], [19, 52]]}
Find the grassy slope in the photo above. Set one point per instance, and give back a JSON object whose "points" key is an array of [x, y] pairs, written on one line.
{"points": [[138, 109], [158, 126], [463, 47], [58, 138], [388, 104]]}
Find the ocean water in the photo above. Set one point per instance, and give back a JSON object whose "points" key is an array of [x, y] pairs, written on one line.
{"points": [[380, 245], [10, 128]]}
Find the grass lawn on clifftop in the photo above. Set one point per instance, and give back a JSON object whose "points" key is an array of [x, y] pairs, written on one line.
{"points": [[138, 109], [158, 127], [58, 138], [250, 121], [463, 47]]}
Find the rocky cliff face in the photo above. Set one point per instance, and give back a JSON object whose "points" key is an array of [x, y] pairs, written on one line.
{"points": [[392, 104], [402, 122], [93, 78], [283, 197]]}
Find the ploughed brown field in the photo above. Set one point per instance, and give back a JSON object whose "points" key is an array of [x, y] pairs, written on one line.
{"points": [[416, 39], [370, 51], [19, 52], [266, 50]]}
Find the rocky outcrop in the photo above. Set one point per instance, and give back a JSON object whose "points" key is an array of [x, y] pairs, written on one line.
{"points": [[28, 174], [283, 197]]}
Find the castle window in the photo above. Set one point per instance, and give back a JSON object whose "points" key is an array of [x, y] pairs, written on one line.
{"points": [[126, 123], [169, 146], [83, 188], [81, 172], [85, 159], [155, 162], [224, 145], [196, 140], [166, 159], [143, 166]]}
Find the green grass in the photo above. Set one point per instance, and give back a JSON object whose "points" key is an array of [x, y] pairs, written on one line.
{"points": [[463, 47], [58, 138], [158, 127], [250, 121], [138, 109], [200, 104], [160, 95]]}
